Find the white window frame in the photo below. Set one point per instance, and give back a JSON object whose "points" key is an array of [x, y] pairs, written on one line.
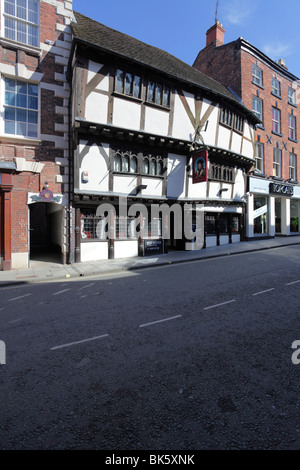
{"points": [[2, 107], [257, 75], [291, 96], [260, 158], [292, 128], [276, 120], [292, 168], [277, 154], [258, 114], [26, 44], [276, 87]]}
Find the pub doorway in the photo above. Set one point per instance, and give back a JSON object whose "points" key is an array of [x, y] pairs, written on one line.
{"points": [[45, 232]]}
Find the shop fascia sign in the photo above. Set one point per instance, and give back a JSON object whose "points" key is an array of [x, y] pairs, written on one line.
{"points": [[281, 189]]}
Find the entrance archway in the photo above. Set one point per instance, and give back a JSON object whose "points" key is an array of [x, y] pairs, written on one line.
{"points": [[45, 232]]}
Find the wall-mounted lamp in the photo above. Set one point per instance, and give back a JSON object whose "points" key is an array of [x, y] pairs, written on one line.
{"points": [[46, 185], [140, 187], [223, 189]]}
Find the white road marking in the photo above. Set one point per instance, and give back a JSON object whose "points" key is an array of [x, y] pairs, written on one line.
{"points": [[17, 298], [88, 285], [291, 283], [78, 342], [160, 321], [15, 321], [61, 292], [219, 305], [264, 291], [83, 296]]}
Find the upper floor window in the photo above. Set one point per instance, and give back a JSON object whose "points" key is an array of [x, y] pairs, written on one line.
{"points": [[276, 87], [153, 166], [158, 93], [21, 108], [276, 162], [231, 119], [292, 167], [125, 162], [222, 173], [259, 157], [257, 107], [128, 84], [292, 127], [276, 115], [257, 76], [291, 96], [21, 21]]}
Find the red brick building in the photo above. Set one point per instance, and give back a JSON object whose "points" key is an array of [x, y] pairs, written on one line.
{"points": [[270, 90], [35, 41]]}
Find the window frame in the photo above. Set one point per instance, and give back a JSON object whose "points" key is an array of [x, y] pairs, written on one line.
{"points": [[259, 145], [277, 165], [23, 21], [276, 122], [164, 88], [258, 100], [3, 105], [274, 92], [292, 129], [293, 167], [122, 155], [231, 120], [255, 80], [292, 101]]}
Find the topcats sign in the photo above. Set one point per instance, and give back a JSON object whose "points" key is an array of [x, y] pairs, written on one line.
{"points": [[283, 189]]}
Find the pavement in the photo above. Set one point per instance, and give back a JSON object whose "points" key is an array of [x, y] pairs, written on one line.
{"points": [[41, 271]]}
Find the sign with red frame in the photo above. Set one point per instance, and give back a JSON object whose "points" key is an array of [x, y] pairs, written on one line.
{"points": [[200, 166]]}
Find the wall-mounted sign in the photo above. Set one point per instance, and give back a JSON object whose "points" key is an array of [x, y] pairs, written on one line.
{"points": [[260, 211], [46, 195], [85, 176], [281, 189], [200, 166], [153, 247]]}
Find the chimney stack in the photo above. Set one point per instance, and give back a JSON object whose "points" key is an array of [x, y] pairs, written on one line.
{"points": [[281, 62], [215, 35]]}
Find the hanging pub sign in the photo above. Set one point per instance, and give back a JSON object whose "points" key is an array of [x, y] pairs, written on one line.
{"points": [[281, 189], [200, 166]]}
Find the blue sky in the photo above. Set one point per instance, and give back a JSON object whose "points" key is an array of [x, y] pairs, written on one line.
{"points": [[179, 27]]}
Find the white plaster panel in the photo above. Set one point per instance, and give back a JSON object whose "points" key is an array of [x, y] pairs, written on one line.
{"points": [[156, 121], [93, 251], [176, 175], [19, 260], [214, 189], [197, 190], [211, 241], [126, 114], [182, 126], [248, 150], [224, 138], [224, 239], [126, 249], [236, 142], [154, 187], [239, 187], [236, 238], [95, 164], [94, 68], [125, 184], [209, 135], [247, 130], [96, 108]]}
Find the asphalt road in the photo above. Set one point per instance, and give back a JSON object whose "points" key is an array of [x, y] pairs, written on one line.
{"points": [[191, 356]]}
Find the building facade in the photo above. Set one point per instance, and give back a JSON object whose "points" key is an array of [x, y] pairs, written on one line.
{"points": [[272, 93], [141, 122], [35, 43]]}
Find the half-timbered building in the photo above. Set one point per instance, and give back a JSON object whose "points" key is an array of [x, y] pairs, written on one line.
{"points": [[139, 118]]}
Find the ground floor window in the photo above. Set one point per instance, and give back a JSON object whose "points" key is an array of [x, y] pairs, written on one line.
{"points": [[261, 224], [295, 216]]}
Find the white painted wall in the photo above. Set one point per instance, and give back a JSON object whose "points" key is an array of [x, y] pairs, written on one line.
{"points": [[211, 241], [96, 108], [248, 150], [176, 175], [239, 186], [224, 137], [94, 68], [182, 126], [96, 166], [126, 249], [224, 239], [197, 190], [125, 184], [236, 142], [154, 187], [126, 114], [93, 251], [156, 121], [236, 238], [209, 135]]}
